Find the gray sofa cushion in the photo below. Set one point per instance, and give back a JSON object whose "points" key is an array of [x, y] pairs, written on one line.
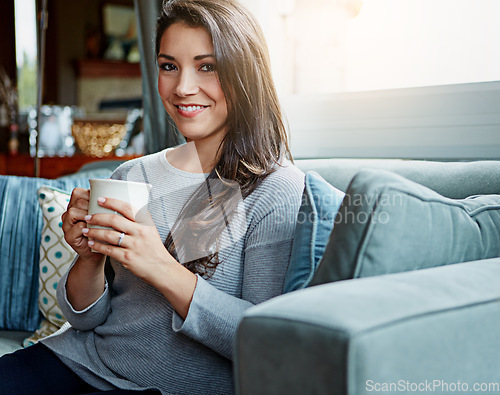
{"points": [[389, 224], [455, 180]]}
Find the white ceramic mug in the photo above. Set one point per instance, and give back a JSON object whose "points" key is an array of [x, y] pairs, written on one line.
{"points": [[135, 193]]}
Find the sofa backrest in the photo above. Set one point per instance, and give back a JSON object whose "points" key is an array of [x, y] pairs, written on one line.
{"points": [[456, 180]]}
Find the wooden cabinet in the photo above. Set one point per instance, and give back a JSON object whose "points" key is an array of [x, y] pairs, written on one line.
{"points": [[97, 68], [24, 165]]}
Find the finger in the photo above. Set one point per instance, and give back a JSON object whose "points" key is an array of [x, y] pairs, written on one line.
{"points": [[80, 193], [71, 217], [124, 208], [111, 250], [117, 222], [140, 215], [73, 234], [80, 198], [107, 235]]}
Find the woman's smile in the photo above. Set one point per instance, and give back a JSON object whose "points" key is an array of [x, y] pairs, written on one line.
{"points": [[190, 110]]}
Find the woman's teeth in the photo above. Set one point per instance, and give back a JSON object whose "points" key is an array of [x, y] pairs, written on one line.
{"points": [[190, 108]]}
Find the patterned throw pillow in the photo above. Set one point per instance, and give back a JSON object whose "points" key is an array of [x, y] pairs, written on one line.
{"points": [[55, 258]]}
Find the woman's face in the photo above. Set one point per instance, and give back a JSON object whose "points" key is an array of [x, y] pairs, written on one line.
{"points": [[188, 84]]}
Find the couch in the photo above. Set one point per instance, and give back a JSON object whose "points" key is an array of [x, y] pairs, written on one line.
{"points": [[407, 317], [411, 305]]}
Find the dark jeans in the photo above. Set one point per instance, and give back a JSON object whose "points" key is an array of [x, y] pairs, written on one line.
{"points": [[36, 370]]}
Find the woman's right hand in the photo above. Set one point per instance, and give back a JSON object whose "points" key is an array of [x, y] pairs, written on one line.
{"points": [[85, 283], [73, 221]]}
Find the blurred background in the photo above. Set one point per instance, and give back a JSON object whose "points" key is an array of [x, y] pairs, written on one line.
{"points": [[357, 78]]}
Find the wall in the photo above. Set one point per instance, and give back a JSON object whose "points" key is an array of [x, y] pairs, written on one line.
{"points": [[91, 91], [443, 122], [66, 43], [68, 23]]}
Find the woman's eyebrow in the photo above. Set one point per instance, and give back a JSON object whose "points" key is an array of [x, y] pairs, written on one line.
{"points": [[197, 57], [168, 57], [200, 57]]}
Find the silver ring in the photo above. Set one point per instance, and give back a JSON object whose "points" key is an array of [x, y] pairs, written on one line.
{"points": [[122, 235]]}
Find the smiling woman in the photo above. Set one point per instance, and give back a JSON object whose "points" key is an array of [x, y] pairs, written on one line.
{"points": [[168, 293]]}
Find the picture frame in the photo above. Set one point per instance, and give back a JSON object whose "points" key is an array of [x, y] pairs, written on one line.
{"points": [[54, 132]]}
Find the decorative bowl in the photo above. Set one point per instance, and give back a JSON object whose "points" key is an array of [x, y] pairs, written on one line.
{"points": [[98, 138]]}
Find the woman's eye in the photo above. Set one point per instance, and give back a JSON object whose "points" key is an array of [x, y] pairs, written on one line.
{"points": [[208, 67], [168, 67]]}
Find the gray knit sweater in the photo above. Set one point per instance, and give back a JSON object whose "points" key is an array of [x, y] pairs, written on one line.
{"points": [[131, 338]]}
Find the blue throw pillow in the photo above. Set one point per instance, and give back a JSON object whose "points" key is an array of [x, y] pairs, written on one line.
{"points": [[320, 203]]}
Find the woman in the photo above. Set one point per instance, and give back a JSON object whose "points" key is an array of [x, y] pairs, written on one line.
{"points": [[162, 314]]}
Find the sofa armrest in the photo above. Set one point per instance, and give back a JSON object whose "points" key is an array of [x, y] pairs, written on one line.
{"points": [[432, 327]]}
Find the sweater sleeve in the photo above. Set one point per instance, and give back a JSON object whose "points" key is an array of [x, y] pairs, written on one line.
{"points": [[89, 318], [214, 315]]}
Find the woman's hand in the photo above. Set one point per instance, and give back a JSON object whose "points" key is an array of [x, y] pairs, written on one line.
{"points": [[135, 242], [85, 281], [73, 221]]}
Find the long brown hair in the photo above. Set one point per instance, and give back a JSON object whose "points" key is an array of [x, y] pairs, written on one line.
{"points": [[256, 139]]}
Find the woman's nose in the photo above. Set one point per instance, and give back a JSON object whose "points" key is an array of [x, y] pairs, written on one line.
{"points": [[187, 84]]}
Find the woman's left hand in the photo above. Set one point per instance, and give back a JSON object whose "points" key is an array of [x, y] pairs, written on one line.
{"points": [[136, 245]]}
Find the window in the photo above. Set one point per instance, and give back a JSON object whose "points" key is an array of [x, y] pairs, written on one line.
{"points": [[387, 78], [26, 52], [329, 46]]}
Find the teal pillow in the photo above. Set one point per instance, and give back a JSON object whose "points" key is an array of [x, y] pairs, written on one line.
{"points": [[320, 203], [389, 224]]}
